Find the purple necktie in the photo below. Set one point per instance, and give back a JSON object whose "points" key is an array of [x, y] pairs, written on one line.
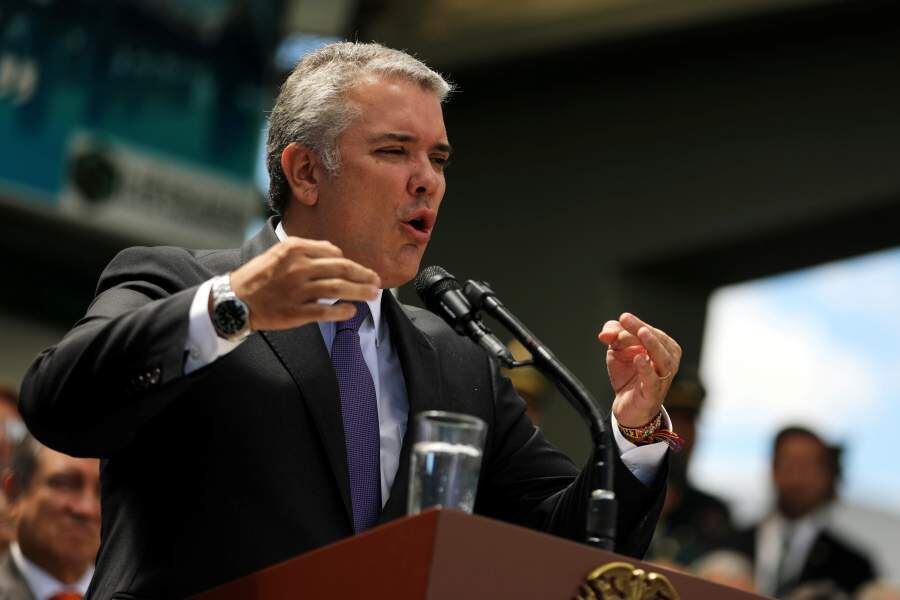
{"points": [[359, 410]]}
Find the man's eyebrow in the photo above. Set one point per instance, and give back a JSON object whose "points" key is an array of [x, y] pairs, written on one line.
{"points": [[444, 148], [395, 137], [405, 137]]}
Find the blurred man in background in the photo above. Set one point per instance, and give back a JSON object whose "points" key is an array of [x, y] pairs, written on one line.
{"points": [[794, 545], [693, 522], [12, 431], [55, 501]]}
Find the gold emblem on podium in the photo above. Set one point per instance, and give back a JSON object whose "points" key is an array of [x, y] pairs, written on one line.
{"points": [[622, 581]]}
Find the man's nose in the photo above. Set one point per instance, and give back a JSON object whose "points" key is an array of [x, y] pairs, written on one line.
{"points": [[86, 505], [425, 179]]}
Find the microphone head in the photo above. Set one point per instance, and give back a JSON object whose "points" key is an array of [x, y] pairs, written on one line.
{"points": [[432, 282]]}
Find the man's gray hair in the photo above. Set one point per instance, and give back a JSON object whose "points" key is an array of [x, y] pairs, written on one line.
{"points": [[24, 461], [311, 108]]}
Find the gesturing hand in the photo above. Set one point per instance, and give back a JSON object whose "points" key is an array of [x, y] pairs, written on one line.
{"points": [[282, 286], [641, 361]]}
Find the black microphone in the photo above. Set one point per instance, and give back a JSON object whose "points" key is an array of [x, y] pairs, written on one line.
{"points": [[443, 295]]}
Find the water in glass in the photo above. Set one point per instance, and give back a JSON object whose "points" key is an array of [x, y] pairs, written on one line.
{"points": [[443, 474]]}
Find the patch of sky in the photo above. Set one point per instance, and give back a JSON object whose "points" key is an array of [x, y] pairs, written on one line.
{"points": [[819, 347]]}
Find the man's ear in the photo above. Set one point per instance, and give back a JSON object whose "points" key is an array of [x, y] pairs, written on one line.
{"points": [[11, 488], [299, 165]]}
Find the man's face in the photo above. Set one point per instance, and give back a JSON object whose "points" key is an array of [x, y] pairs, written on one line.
{"points": [[381, 208], [802, 475], [59, 512]]}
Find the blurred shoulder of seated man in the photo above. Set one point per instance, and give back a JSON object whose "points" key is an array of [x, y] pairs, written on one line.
{"points": [[55, 503]]}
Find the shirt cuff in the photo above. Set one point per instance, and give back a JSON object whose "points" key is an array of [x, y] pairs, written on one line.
{"points": [[642, 461], [203, 345]]}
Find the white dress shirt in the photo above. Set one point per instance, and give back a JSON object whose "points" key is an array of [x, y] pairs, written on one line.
{"points": [[203, 347], [776, 536], [42, 584]]}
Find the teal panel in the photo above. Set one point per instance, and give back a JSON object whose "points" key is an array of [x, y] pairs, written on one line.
{"points": [[196, 94]]}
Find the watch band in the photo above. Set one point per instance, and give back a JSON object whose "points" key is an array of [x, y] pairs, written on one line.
{"points": [[230, 315], [221, 288]]}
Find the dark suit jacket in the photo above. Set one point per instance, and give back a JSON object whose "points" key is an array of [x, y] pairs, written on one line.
{"points": [[210, 476], [697, 524], [830, 559], [12, 583]]}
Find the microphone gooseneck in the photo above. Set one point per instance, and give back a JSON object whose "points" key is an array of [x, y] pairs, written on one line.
{"points": [[602, 506]]}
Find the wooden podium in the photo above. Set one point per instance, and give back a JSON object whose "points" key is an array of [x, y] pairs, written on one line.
{"points": [[449, 555]]}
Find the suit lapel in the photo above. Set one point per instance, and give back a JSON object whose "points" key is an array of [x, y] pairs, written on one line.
{"points": [[816, 561], [264, 239], [303, 353], [12, 582], [421, 372]]}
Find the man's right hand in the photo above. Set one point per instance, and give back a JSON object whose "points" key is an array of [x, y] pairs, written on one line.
{"points": [[282, 286]]}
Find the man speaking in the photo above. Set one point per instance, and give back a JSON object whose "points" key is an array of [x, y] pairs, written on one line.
{"points": [[208, 381]]}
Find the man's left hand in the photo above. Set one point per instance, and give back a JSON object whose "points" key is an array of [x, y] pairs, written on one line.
{"points": [[641, 361]]}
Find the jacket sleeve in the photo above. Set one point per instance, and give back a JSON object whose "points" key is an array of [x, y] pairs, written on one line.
{"points": [[532, 483], [123, 362]]}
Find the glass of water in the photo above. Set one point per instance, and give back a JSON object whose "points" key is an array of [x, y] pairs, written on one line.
{"points": [[446, 460]]}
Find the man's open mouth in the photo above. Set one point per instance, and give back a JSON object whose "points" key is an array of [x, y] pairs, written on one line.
{"points": [[418, 224], [422, 221]]}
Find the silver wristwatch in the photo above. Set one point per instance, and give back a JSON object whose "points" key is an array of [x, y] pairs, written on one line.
{"points": [[230, 315]]}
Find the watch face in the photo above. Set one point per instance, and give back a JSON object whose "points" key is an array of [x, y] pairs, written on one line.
{"points": [[231, 316]]}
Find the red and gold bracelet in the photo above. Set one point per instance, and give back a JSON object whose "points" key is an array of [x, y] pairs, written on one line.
{"points": [[652, 432], [639, 435]]}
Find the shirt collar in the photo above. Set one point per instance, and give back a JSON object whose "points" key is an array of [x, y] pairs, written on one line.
{"points": [[374, 304], [41, 583], [815, 520]]}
